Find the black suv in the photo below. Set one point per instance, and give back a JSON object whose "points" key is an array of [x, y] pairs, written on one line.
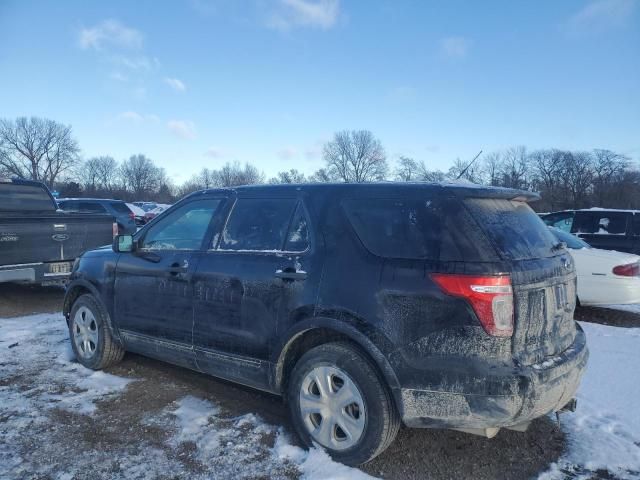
{"points": [[117, 208], [605, 228], [365, 306]]}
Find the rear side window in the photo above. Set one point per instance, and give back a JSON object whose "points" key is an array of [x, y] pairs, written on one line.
{"points": [[24, 198], [601, 222], [258, 224], [92, 207], [514, 228], [120, 207], [434, 229]]}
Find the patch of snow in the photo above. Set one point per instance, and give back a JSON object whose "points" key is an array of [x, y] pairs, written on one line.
{"points": [[604, 432], [315, 464]]}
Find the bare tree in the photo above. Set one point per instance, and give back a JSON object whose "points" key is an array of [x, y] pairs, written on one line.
{"points": [[291, 176], [141, 176], [322, 175], [608, 168], [406, 170], [355, 156], [99, 173], [37, 148], [492, 166], [514, 168], [465, 171], [232, 175]]}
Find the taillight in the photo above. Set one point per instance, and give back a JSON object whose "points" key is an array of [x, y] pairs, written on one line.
{"points": [[491, 297], [132, 215], [114, 229], [628, 270]]}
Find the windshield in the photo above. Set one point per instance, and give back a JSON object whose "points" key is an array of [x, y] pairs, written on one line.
{"points": [[572, 241]]}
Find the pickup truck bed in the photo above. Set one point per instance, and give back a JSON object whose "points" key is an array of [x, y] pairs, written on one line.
{"points": [[39, 243]]}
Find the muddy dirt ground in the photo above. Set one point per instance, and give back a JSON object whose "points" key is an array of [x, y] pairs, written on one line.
{"points": [[415, 454]]}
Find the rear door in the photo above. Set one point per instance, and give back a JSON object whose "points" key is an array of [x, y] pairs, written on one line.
{"points": [[605, 229], [154, 287], [249, 280], [542, 274]]}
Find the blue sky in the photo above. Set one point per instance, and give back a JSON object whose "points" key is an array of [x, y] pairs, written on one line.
{"points": [[201, 82]]}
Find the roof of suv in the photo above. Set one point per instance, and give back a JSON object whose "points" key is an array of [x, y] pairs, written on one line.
{"points": [[458, 189], [90, 200]]}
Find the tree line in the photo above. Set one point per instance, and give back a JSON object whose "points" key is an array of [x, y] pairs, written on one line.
{"points": [[46, 150]]}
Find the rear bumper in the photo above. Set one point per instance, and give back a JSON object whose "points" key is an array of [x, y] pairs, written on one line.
{"points": [[540, 389], [30, 273]]}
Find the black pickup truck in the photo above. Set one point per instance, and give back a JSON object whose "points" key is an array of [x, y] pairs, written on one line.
{"points": [[38, 242]]}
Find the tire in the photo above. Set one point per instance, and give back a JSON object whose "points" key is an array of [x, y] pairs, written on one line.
{"points": [[90, 336], [351, 434]]}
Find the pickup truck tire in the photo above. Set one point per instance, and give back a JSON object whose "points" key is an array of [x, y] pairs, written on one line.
{"points": [[90, 336], [353, 416]]}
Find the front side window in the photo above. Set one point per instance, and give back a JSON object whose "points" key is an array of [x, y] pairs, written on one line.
{"points": [[562, 221], [182, 229], [258, 224]]}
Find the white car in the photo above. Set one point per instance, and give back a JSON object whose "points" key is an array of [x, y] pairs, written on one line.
{"points": [[604, 276]]}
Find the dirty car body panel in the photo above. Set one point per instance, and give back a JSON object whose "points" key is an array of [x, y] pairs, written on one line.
{"points": [[358, 263]]}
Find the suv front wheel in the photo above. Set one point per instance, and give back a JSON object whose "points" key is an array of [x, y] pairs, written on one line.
{"points": [[90, 336], [338, 401]]}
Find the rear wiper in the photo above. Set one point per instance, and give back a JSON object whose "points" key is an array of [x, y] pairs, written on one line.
{"points": [[558, 246]]}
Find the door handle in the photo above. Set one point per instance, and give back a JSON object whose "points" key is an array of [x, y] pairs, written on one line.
{"points": [[290, 274], [177, 268]]}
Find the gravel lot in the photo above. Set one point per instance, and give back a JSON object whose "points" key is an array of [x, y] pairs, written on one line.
{"points": [[106, 443]]}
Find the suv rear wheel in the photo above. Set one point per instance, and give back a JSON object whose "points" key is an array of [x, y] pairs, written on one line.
{"points": [[338, 401], [90, 336]]}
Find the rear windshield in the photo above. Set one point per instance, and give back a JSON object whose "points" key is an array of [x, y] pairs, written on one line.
{"points": [[120, 207], [24, 198], [515, 230], [433, 229]]}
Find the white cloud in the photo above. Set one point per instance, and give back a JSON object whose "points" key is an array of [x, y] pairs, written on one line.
{"points": [[455, 47], [602, 15], [176, 84], [182, 128], [289, 14], [119, 77], [136, 63], [108, 34], [214, 152], [130, 115], [287, 153], [136, 117]]}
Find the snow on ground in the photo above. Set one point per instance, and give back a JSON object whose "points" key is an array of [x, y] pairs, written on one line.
{"points": [[52, 426], [39, 379], [604, 432]]}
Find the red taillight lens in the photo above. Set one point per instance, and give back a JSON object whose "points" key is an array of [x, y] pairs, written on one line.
{"points": [[628, 270], [114, 229], [491, 297], [132, 215]]}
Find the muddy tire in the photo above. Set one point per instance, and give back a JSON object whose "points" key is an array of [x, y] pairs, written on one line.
{"points": [[338, 400], [90, 336]]}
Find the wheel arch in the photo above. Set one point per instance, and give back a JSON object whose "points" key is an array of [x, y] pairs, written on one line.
{"points": [[82, 287], [316, 331]]}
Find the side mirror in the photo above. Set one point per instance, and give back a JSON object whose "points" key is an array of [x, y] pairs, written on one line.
{"points": [[123, 244]]}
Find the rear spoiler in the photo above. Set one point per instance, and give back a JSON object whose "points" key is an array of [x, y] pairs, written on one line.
{"points": [[480, 191]]}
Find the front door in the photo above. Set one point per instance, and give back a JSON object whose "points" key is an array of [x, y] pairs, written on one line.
{"points": [[154, 286], [245, 283]]}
